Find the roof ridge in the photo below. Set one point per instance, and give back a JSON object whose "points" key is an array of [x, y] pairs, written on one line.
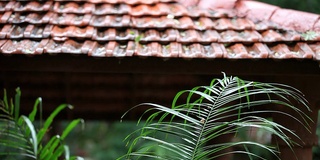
{"points": [[316, 25], [288, 19]]}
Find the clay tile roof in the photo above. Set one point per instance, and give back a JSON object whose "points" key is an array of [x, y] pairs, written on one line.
{"points": [[232, 29]]}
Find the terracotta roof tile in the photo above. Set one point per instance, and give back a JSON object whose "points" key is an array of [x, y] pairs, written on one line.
{"points": [[16, 32], [6, 6], [149, 49], [76, 47], [216, 4], [256, 11], [316, 26], [102, 21], [23, 46], [73, 7], [194, 50], [70, 19], [283, 51], [276, 35], [5, 29], [34, 31], [158, 9], [161, 28], [5, 16], [25, 6], [303, 50], [215, 50], [315, 47], [107, 8], [53, 47], [291, 19], [2, 42]]}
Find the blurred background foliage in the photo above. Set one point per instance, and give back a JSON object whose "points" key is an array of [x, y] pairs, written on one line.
{"points": [[303, 5], [316, 150], [101, 140], [105, 140]]}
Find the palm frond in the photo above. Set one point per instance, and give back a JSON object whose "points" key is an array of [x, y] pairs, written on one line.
{"points": [[19, 135], [209, 112]]}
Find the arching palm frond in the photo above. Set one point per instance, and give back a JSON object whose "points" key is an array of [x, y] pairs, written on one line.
{"points": [[211, 112], [21, 138]]}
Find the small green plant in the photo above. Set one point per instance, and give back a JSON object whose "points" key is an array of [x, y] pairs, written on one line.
{"points": [[309, 35], [199, 119], [138, 38], [21, 138]]}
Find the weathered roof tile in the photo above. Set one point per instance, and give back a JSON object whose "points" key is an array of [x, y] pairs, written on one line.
{"points": [[168, 35], [214, 50], [76, 47], [16, 32], [258, 50], [25, 6], [304, 51], [256, 11], [39, 32], [107, 8], [73, 7], [158, 9], [104, 34], [316, 26], [23, 46], [209, 36], [5, 16], [215, 4], [5, 29], [147, 50], [316, 49], [230, 36], [178, 10], [188, 36], [237, 51], [6, 6], [291, 19], [271, 36], [53, 47]]}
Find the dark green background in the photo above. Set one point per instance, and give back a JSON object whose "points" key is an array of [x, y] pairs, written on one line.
{"points": [[303, 5]]}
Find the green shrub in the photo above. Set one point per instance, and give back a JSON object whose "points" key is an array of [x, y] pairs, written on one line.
{"points": [[20, 139]]}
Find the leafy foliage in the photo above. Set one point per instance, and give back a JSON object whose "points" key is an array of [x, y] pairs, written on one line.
{"points": [[100, 140], [211, 112], [303, 5], [309, 35], [20, 137]]}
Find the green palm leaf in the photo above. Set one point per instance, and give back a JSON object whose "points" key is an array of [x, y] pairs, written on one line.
{"points": [[19, 135], [209, 112]]}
